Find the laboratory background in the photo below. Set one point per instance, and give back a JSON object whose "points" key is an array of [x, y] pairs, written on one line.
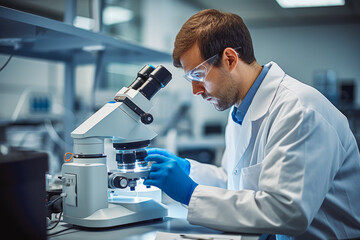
{"points": [[61, 66]]}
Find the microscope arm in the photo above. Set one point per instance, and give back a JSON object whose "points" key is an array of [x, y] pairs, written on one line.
{"points": [[114, 120]]}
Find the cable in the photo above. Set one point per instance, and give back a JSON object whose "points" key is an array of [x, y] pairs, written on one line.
{"points": [[48, 204], [55, 233], [57, 222], [6, 63]]}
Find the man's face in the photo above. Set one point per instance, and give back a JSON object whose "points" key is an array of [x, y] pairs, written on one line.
{"points": [[219, 88]]}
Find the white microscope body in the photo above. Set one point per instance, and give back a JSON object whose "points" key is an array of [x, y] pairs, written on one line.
{"points": [[86, 179]]}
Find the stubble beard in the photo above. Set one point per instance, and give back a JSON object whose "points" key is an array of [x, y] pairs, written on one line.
{"points": [[228, 95], [226, 98], [223, 104]]}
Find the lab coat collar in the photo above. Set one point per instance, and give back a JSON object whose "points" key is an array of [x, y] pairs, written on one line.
{"points": [[266, 92]]}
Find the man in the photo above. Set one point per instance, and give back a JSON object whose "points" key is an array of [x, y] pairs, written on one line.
{"points": [[291, 164]]}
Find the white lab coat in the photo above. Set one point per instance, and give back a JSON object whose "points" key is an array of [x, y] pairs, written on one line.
{"points": [[292, 168]]}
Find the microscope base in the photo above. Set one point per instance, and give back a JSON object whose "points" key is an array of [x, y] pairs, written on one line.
{"points": [[129, 211]]}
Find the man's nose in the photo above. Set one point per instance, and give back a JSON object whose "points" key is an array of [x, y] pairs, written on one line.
{"points": [[197, 88]]}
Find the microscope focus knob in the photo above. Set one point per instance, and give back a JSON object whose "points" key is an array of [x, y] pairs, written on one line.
{"points": [[147, 118], [123, 182], [116, 181]]}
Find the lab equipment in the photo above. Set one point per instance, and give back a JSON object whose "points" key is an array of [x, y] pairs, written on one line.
{"points": [[86, 179]]}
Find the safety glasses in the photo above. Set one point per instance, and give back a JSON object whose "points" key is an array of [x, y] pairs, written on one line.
{"points": [[200, 72]]}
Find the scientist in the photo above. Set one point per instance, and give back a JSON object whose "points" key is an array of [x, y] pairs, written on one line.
{"points": [[291, 165]]}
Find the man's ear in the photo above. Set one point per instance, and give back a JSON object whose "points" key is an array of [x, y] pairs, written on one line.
{"points": [[230, 58]]}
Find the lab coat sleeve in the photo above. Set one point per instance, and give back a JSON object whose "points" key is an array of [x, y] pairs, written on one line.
{"points": [[207, 174], [301, 157]]}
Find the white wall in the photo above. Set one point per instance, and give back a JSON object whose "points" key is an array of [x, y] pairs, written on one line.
{"points": [[302, 50], [162, 20]]}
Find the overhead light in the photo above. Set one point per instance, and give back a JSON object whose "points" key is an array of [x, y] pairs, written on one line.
{"points": [[309, 3], [94, 48], [84, 22], [113, 15]]}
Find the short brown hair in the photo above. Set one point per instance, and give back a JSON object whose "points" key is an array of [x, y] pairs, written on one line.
{"points": [[214, 31]]}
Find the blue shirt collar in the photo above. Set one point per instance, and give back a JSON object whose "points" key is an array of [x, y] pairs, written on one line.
{"points": [[238, 114]]}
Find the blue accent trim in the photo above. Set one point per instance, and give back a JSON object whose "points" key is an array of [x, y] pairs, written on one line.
{"points": [[233, 116], [151, 66], [238, 114], [111, 102]]}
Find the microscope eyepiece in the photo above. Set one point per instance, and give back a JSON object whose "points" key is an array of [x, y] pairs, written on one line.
{"points": [[142, 76], [158, 78], [162, 75]]}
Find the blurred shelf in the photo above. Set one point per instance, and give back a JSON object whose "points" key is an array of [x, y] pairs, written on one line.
{"points": [[39, 37], [30, 121]]}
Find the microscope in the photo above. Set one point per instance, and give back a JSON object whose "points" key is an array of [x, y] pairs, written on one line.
{"points": [[86, 179]]}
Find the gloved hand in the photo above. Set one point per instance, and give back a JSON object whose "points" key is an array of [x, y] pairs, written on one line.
{"points": [[167, 174], [183, 163]]}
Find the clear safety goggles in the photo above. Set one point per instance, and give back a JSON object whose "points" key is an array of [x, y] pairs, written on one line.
{"points": [[200, 72]]}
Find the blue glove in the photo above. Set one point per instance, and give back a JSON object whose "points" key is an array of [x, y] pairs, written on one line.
{"points": [[167, 174], [184, 164]]}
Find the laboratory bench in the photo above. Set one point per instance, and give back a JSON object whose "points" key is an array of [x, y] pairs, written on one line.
{"points": [[175, 223]]}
